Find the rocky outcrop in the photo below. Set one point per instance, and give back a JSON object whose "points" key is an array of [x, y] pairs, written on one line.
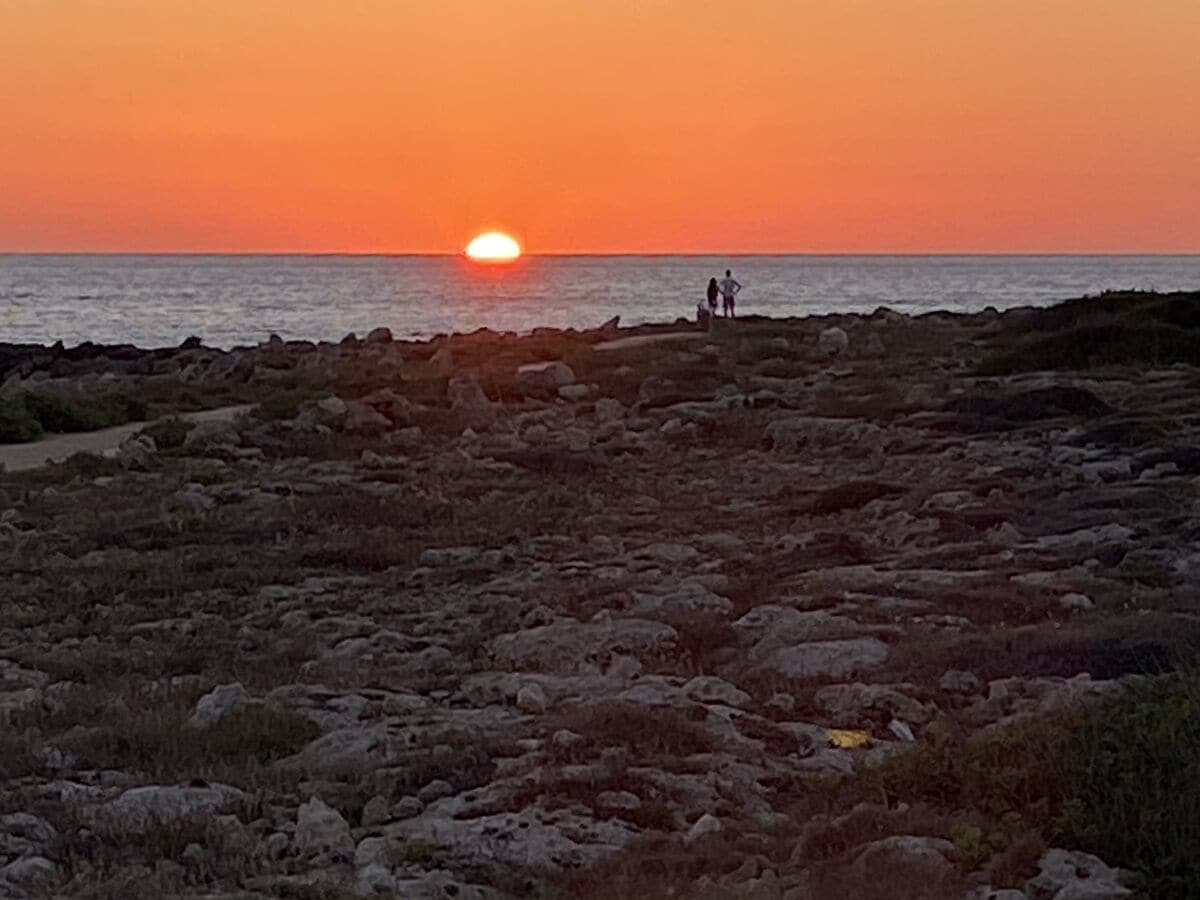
{"points": [[447, 619]]}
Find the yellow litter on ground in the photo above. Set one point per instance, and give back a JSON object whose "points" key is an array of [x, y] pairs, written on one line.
{"points": [[849, 739]]}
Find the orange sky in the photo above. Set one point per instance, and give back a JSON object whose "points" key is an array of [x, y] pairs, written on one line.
{"points": [[600, 125]]}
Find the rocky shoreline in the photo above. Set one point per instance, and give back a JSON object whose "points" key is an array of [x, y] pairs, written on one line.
{"points": [[567, 614]]}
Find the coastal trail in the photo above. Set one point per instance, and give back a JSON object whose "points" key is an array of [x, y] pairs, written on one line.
{"points": [[55, 448]]}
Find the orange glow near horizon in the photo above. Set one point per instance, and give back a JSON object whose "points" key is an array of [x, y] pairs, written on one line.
{"points": [[663, 126]]}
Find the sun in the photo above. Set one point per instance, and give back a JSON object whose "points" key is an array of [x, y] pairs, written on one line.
{"points": [[493, 246]]}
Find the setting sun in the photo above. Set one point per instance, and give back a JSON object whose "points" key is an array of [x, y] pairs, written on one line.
{"points": [[493, 247]]}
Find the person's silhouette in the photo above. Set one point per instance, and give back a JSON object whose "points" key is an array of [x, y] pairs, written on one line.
{"points": [[729, 291]]}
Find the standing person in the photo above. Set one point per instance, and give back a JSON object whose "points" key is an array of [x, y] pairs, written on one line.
{"points": [[729, 291], [713, 290]]}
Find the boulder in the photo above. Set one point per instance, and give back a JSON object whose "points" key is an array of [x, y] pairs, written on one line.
{"points": [[572, 647], [152, 805], [544, 377], [1075, 602], [609, 410], [137, 451], [1068, 875], [361, 418], [714, 690], [833, 341], [435, 790], [617, 802], [957, 681], [706, 824], [531, 699], [379, 336], [29, 872], [376, 811], [214, 705], [321, 829], [468, 402], [920, 859], [574, 393], [827, 659], [684, 599], [396, 409]]}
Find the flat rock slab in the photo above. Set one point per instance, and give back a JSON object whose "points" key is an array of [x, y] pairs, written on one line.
{"points": [[827, 659], [645, 340], [16, 457]]}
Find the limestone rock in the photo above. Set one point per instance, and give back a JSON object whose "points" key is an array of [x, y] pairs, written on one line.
{"points": [[468, 402], [531, 699], [957, 681], [28, 872], [609, 410], [364, 419], [152, 805], [574, 393], [710, 689], [544, 377], [321, 829], [706, 824], [569, 646], [800, 433], [214, 705], [435, 790], [919, 858], [1075, 602], [684, 599], [1067, 875], [376, 811], [833, 341], [857, 704], [617, 801], [331, 409], [827, 659]]}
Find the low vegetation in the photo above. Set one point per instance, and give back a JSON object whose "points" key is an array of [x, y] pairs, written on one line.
{"points": [[26, 416], [1117, 328], [1120, 780]]}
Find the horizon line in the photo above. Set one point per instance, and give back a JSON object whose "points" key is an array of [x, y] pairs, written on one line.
{"points": [[600, 254]]}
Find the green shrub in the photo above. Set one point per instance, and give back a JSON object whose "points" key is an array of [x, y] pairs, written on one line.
{"points": [[17, 426], [1120, 780], [61, 413]]}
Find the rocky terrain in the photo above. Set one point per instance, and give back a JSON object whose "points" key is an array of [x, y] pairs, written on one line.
{"points": [[596, 614]]}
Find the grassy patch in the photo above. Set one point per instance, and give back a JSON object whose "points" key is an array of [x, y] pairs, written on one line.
{"points": [[643, 731], [150, 736], [1121, 781]]}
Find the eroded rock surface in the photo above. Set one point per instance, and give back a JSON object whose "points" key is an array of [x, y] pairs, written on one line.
{"points": [[491, 612]]}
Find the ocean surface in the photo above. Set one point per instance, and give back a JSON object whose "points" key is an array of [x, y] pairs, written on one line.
{"points": [[237, 300]]}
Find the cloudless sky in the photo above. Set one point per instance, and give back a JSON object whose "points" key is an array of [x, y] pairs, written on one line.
{"points": [[600, 125]]}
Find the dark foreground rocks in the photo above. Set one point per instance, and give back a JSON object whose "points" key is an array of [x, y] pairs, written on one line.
{"points": [[500, 616]]}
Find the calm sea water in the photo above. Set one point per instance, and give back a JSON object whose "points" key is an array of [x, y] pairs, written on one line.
{"points": [[230, 300]]}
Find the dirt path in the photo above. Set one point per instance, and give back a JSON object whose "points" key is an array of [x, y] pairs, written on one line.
{"points": [[15, 457]]}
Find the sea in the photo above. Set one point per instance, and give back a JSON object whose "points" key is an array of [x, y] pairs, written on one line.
{"points": [[158, 301]]}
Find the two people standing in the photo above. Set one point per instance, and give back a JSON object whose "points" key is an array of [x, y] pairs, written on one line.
{"points": [[727, 288]]}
